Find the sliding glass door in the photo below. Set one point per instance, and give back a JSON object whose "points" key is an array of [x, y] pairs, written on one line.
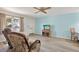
{"points": [[13, 23]]}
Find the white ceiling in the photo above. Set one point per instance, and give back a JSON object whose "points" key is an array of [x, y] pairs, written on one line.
{"points": [[30, 11]]}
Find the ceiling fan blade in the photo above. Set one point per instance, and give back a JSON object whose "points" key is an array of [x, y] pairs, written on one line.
{"points": [[37, 11], [36, 8], [44, 11], [47, 8], [41, 9]]}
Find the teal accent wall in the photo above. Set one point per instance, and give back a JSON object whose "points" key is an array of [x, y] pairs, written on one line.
{"points": [[60, 24]]}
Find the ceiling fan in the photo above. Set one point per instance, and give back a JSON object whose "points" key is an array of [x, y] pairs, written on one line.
{"points": [[42, 9]]}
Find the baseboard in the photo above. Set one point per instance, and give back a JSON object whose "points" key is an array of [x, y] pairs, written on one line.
{"points": [[61, 37]]}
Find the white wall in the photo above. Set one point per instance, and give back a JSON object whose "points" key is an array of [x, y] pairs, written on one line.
{"points": [[29, 22], [29, 25]]}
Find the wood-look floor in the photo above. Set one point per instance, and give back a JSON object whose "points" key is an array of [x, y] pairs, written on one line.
{"points": [[55, 44]]}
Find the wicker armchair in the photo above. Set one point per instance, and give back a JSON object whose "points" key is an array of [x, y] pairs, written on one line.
{"points": [[19, 43]]}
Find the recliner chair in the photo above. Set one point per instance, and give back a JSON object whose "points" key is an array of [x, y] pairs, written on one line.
{"points": [[19, 43]]}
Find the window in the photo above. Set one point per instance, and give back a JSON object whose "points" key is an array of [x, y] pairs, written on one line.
{"points": [[13, 23]]}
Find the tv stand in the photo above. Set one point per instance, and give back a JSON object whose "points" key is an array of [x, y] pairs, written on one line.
{"points": [[46, 33]]}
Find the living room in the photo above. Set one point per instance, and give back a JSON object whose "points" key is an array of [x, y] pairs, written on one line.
{"points": [[32, 22]]}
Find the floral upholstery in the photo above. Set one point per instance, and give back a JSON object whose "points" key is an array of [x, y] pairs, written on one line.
{"points": [[35, 46], [19, 43]]}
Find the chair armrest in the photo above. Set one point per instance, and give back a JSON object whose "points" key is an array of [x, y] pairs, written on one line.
{"points": [[35, 46]]}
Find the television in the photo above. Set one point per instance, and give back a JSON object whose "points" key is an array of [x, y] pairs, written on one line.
{"points": [[46, 26]]}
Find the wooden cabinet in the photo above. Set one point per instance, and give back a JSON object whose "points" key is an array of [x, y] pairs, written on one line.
{"points": [[46, 30]]}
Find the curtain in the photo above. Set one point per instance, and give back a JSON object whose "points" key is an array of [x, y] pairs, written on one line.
{"points": [[2, 21], [21, 24]]}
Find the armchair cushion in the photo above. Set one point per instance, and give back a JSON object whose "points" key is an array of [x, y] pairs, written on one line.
{"points": [[35, 46]]}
